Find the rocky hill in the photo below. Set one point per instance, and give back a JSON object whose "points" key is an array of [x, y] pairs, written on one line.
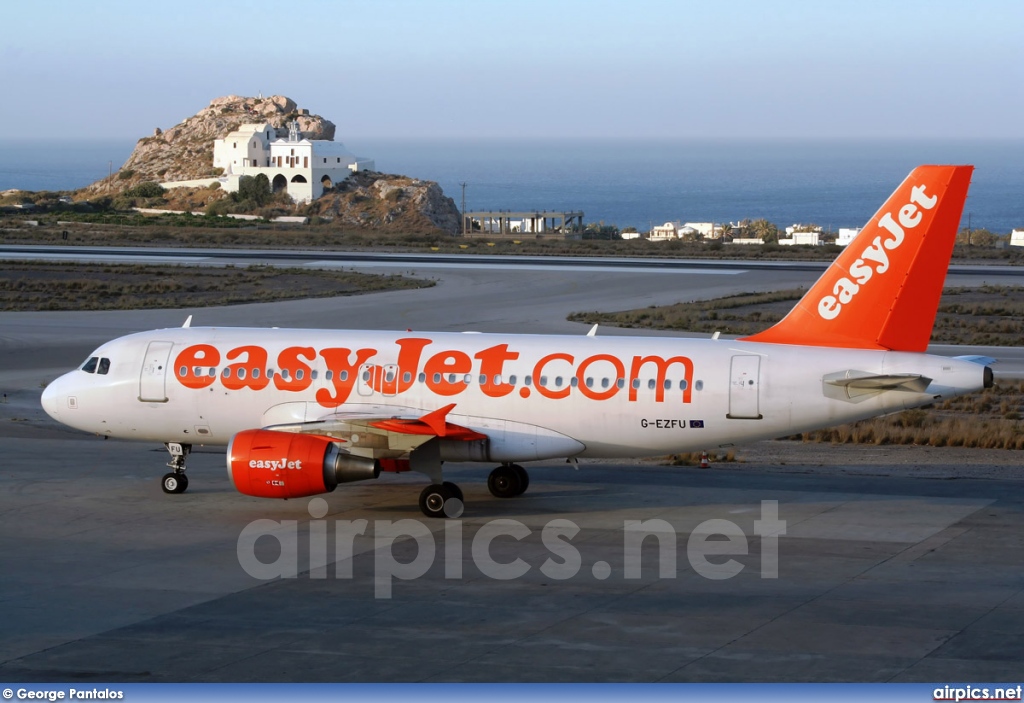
{"points": [[366, 200], [185, 150]]}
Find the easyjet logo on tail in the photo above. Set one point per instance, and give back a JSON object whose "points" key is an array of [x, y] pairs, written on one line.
{"points": [[874, 259]]}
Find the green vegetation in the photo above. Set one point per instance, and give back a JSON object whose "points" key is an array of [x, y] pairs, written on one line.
{"points": [[146, 189], [254, 189]]}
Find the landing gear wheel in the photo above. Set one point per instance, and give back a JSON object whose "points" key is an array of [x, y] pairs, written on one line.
{"points": [[524, 478], [505, 482], [455, 490], [174, 482], [440, 500]]}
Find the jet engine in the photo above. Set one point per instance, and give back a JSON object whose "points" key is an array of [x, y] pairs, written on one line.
{"points": [[270, 464]]}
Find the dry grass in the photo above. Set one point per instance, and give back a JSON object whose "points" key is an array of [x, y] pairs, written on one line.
{"points": [[693, 458], [988, 420], [988, 315], [26, 286]]}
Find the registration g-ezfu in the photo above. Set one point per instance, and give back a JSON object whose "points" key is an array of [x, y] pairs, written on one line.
{"points": [[663, 424], [302, 411]]}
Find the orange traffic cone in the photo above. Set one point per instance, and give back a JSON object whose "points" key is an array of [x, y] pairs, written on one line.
{"points": [[704, 460]]}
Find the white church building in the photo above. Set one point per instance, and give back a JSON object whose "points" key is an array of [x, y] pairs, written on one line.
{"points": [[301, 167]]}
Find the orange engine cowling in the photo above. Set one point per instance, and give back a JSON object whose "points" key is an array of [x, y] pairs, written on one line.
{"points": [[269, 464]]}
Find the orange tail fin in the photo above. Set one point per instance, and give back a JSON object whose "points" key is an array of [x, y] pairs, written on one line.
{"points": [[883, 291]]}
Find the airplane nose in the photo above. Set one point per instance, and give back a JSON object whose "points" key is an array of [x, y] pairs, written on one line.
{"points": [[51, 400]]}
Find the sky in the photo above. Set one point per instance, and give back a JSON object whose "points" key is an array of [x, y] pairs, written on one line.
{"points": [[525, 69]]}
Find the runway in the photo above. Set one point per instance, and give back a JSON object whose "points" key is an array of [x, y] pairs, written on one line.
{"points": [[882, 574]]}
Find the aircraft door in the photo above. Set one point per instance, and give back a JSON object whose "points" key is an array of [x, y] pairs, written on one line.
{"points": [[744, 381], [367, 377], [152, 380], [389, 387]]}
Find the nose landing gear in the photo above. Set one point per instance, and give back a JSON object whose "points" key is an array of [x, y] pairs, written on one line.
{"points": [[176, 481]]}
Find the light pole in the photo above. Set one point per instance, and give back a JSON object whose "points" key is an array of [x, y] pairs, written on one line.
{"points": [[463, 184]]}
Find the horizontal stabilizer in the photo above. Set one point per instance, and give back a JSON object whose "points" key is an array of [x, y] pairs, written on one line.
{"points": [[852, 384], [977, 359]]}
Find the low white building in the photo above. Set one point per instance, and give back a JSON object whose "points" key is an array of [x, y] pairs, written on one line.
{"points": [[301, 167], [665, 232], [1017, 238], [847, 235], [807, 238], [707, 230], [798, 228]]}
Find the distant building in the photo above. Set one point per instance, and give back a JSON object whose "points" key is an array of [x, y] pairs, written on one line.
{"points": [[846, 235], [664, 232], [798, 228], [301, 167], [747, 240], [806, 238], [708, 230], [1017, 238]]}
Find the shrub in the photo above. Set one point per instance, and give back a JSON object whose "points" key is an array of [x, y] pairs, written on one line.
{"points": [[252, 189], [147, 189], [125, 174]]}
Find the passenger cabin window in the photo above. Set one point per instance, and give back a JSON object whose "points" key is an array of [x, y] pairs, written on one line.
{"points": [[90, 365]]}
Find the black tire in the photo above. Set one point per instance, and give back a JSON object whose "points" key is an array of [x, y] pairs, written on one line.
{"points": [[524, 478], [455, 491], [433, 498], [174, 483], [504, 482]]}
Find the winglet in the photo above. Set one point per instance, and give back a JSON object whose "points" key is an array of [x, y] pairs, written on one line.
{"points": [[883, 290], [436, 420]]}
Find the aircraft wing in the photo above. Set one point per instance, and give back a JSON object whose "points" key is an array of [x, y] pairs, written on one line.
{"points": [[385, 437]]}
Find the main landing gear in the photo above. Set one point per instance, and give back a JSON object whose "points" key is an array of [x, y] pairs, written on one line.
{"points": [[444, 500], [508, 481], [176, 481]]}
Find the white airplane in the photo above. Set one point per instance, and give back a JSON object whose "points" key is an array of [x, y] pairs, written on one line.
{"points": [[302, 411]]}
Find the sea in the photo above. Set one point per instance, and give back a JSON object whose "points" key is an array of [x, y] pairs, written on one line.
{"points": [[633, 183]]}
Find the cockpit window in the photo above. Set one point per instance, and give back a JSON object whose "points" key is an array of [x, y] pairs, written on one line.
{"points": [[90, 365], [104, 366]]}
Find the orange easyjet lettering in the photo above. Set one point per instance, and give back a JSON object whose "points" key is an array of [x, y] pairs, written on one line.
{"points": [[874, 258], [188, 363], [343, 374], [446, 372]]}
